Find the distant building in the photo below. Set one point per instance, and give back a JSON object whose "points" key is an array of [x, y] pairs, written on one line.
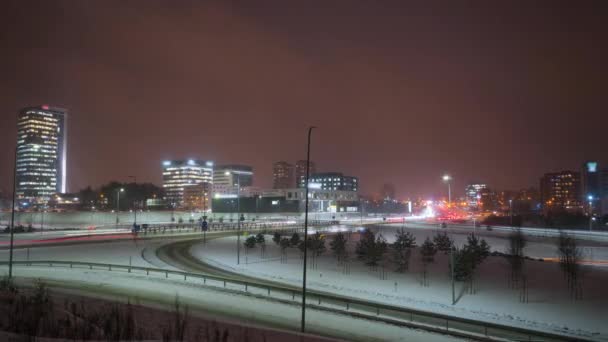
{"points": [[604, 191], [227, 177], [180, 174], [332, 181], [387, 192], [41, 153], [197, 197], [288, 200], [473, 194], [487, 199], [561, 190], [282, 175], [301, 171]]}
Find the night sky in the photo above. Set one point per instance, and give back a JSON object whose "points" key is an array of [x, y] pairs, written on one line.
{"points": [[402, 92]]}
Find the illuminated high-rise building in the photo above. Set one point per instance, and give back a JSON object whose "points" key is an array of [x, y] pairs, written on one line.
{"points": [[301, 172], [41, 153], [561, 190], [282, 175], [473, 194], [180, 174]]}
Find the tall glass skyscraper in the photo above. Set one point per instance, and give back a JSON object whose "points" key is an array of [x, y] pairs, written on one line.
{"points": [[41, 153]]}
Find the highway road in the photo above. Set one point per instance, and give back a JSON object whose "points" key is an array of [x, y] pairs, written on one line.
{"points": [[224, 303]]}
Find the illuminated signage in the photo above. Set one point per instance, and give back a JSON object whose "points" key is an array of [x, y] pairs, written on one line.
{"points": [[591, 166]]}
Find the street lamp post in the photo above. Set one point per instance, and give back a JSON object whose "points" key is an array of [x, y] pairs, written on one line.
{"points": [[447, 179], [135, 206], [10, 258], [42, 219], [511, 212], [118, 191], [306, 231], [590, 198], [238, 214]]}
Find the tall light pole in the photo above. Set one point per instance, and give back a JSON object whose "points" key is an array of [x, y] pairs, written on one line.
{"points": [[135, 206], [118, 191], [238, 214], [590, 198], [447, 179], [306, 230], [511, 211], [10, 258]]}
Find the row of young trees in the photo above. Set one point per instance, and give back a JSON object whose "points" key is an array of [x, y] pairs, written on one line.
{"points": [[373, 249]]}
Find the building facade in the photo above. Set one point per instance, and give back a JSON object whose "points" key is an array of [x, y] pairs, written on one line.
{"points": [[226, 179], [561, 191], [197, 197], [180, 174], [332, 181], [603, 205], [41, 154], [288, 200], [472, 193], [300, 171], [282, 175]]}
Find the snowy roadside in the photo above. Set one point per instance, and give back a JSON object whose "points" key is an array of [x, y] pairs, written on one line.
{"points": [[549, 308]]}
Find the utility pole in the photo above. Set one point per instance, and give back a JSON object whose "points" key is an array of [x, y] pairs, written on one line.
{"points": [[10, 258], [238, 217], [511, 211], [135, 203], [590, 198], [306, 231], [452, 268]]}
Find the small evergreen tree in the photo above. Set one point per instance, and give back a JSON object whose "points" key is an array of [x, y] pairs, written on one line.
{"points": [[276, 238], [295, 240], [427, 251], [443, 242], [250, 242], [402, 246], [261, 240], [338, 246], [284, 244], [365, 245]]}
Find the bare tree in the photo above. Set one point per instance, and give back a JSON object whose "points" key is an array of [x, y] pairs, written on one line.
{"points": [[517, 243], [569, 261]]}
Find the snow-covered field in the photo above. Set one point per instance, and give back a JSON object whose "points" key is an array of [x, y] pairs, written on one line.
{"points": [[549, 308], [222, 305], [537, 247]]}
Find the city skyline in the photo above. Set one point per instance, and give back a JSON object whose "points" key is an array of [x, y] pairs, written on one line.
{"points": [[390, 108]]}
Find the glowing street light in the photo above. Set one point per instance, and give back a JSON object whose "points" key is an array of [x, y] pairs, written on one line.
{"points": [[590, 198], [447, 178], [238, 214], [118, 191]]}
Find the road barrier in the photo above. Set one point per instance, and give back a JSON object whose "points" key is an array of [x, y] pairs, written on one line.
{"points": [[397, 315]]}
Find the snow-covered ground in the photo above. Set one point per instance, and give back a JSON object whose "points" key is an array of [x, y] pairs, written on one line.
{"points": [[221, 304], [537, 247], [549, 308]]}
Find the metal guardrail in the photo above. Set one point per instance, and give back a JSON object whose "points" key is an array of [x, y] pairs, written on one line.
{"points": [[436, 322]]}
